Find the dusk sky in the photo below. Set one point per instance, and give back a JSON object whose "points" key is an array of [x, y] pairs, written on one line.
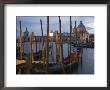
{"points": [[33, 23]]}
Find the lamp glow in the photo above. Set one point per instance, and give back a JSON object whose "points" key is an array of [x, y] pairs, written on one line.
{"points": [[51, 34]]}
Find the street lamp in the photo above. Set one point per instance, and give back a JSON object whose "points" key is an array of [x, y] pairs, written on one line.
{"points": [[51, 35]]}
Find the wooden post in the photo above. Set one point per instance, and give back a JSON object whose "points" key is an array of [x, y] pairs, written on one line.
{"points": [[36, 46], [56, 47], [47, 57], [36, 43], [43, 56], [70, 33], [70, 41], [61, 48], [52, 50], [31, 47], [21, 51]]}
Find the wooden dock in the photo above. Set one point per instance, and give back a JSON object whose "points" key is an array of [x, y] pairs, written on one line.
{"points": [[19, 62]]}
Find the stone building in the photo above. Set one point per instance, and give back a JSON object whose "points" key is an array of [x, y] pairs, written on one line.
{"points": [[79, 33]]}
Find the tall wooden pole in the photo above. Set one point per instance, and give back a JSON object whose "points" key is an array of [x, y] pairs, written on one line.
{"points": [[42, 43], [56, 47], [70, 41], [47, 59], [21, 51], [70, 33], [31, 47], [36, 43], [52, 49], [61, 47]]}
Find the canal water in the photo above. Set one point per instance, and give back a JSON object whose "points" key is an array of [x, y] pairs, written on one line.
{"points": [[87, 65]]}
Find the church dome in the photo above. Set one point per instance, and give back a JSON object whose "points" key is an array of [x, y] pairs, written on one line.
{"points": [[81, 27]]}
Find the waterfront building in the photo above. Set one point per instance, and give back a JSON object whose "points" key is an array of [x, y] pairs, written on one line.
{"points": [[80, 34]]}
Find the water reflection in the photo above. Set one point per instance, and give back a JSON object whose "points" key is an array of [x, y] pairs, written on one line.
{"points": [[84, 67]]}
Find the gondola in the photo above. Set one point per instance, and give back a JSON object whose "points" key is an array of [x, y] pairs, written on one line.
{"points": [[56, 67]]}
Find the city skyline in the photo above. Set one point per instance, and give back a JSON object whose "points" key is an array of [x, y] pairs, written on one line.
{"points": [[33, 23]]}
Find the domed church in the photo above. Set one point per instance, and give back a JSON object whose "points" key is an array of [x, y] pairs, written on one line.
{"points": [[79, 33]]}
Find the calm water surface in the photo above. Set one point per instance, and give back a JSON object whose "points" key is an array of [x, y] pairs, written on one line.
{"points": [[87, 66]]}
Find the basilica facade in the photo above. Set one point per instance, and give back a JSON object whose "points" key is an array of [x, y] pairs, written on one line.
{"points": [[80, 34]]}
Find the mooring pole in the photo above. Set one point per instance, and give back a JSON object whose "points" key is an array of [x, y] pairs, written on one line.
{"points": [[36, 43], [42, 43], [70, 33], [47, 59], [70, 41], [61, 48], [21, 51], [56, 47], [31, 47]]}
